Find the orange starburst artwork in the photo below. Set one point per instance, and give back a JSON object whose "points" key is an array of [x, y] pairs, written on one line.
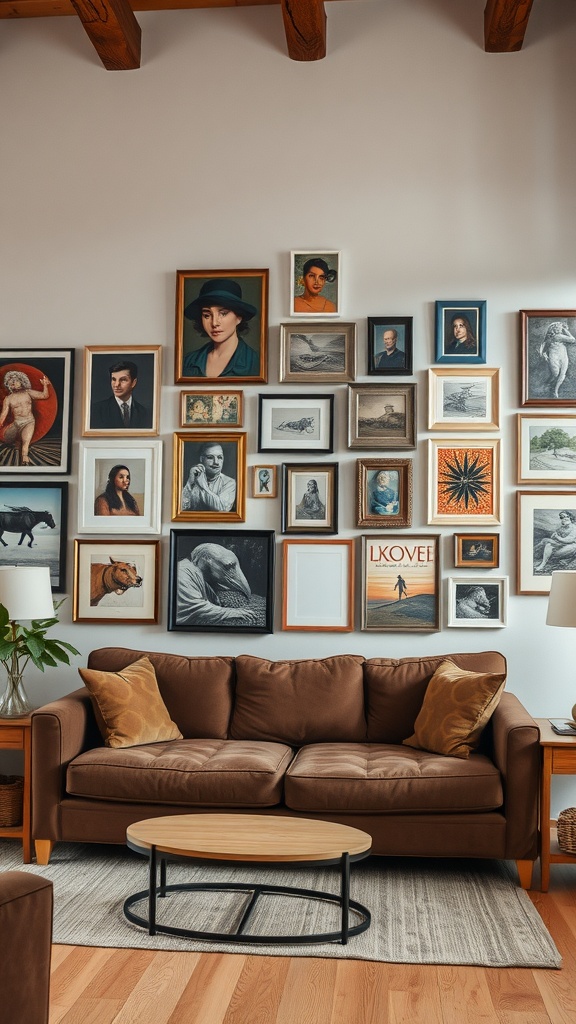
{"points": [[466, 481]]}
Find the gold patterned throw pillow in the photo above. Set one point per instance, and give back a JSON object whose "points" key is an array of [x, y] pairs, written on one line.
{"points": [[128, 706], [456, 708]]}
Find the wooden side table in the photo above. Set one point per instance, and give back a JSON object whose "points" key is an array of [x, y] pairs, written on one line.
{"points": [[558, 758], [15, 734]]}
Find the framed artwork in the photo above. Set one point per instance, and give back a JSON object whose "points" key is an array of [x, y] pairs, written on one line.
{"points": [[546, 538], [546, 449], [209, 477], [382, 416], [476, 550], [389, 345], [318, 585], [401, 583], [221, 326], [35, 410], [203, 408], [120, 487], [548, 356], [317, 353], [33, 527], [461, 331], [296, 423], [121, 394], [310, 497], [221, 581], [315, 283], [116, 581], [478, 602], [264, 481], [463, 399], [464, 481], [384, 493]]}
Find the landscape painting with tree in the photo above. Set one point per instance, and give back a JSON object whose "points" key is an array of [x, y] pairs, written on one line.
{"points": [[400, 583], [546, 449]]}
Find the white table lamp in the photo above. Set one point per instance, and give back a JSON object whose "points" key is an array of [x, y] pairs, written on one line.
{"points": [[562, 603]]}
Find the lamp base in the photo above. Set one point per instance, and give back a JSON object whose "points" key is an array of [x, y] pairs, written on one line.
{"points": [[14, 701]]}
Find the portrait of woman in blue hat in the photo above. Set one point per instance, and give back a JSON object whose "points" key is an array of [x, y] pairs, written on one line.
{"points": [[229, 313]]}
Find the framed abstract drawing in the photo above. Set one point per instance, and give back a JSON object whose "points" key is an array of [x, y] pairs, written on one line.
{"points": [[264, 481], [315, 283], [203, 408], [463, 399], [302, 424], [35, 410], [221, 326], [120, 487], [478, 602], [382, 416], [33, 527], [317, 353], [389, 346], [401, 583], [310, 497], [384, 493], [476, 550], [548, 356], [121, 396], [318, 585], [461, 331], [546, 538], [546, 449], [464, 481], [116, 581], [209, 477]]}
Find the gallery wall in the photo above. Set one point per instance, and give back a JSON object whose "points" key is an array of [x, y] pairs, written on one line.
{"points": [[437, 170]]}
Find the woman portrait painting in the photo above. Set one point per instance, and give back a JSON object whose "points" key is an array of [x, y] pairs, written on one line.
{"points": [[221, 327], [384, 496], [310, 505], [315, 290], [460, 336], [116, 499]]}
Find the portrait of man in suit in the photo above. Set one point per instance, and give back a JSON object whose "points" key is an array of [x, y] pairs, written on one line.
{"points": [[121, 410]]}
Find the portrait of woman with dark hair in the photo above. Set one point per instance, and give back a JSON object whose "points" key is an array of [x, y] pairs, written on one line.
{"points": [[460, 337], [220, 314], [309, 286], [116, 499]]}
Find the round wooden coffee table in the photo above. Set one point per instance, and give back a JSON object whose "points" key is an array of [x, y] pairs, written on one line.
{"points": [[257, 838]]}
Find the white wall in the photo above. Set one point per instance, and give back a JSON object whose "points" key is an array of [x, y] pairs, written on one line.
{"points": [[438, 170]]}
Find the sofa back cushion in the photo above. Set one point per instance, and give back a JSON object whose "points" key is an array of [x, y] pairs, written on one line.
{"points": [[298, 702], [196, 691], [395, 689]]}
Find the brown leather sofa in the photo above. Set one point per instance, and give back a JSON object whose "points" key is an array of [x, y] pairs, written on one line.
{"points": [[26, 931], [318, 738]]}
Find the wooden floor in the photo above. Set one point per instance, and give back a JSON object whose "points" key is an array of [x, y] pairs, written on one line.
{"points": [[127, 986]]}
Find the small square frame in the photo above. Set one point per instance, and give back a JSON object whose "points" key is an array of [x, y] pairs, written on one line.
{"points": [[264, 486], [101, 416], [382, 416], [375, 508], [477, 602], [380, 365], [144, 460], [317, 353], [548, 338], [296, 423], [186, 452], [328, 300], [539, 519], [318, 585], [121, 600], [306, 510], [473, 314], [200, 408], [476, 550], [464, 399], [464, 481]]}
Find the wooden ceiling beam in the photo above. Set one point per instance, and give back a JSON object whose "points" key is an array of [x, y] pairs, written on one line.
{"points": [[113, 31], [305, 28], [505, 24]]}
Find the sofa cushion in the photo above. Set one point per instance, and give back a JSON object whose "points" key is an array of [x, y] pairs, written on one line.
{"points": [[128, 705], [215, 773], [197, 691], [395, 689], [386, 778], [457, 706], [299, 702]]}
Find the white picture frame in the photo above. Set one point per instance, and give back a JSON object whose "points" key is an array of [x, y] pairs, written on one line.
{"points": [[463, 398], [477, 602], [144, 460]]}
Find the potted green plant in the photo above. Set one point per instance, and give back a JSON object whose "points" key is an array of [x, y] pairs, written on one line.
{"points": [[20, 644]]}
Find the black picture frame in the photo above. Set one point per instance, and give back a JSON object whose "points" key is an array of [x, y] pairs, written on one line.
{"points": [[307, 509], [50, 446], [47, 545], [300, 424], [391, 365], [254, 551]]}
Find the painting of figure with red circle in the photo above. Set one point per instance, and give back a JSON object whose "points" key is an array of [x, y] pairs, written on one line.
{"points": [[35, 411]]}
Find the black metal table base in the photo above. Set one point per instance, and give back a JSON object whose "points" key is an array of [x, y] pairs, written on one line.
{"points": [[347, 906]]}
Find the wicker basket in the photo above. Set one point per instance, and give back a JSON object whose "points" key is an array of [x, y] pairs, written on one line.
{"points": [[567, 830], [11, 799]]}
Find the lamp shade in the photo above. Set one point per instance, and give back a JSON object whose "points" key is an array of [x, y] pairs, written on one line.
{"points": [[562, 599], [25, 592]]}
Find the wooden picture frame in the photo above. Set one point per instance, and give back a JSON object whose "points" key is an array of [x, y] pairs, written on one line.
{"points": [[477, 602], [546, 538], [130, 374], [248, 557], [36, 410], [296, 423], [382, 416], [99, 504], [310, 497], [476, 550], [116, 580], [244, 293], [401, 583], [317, 353], [460, 334], [315, 282], [200, 408], [264, 481], [384, 493], [390, 346], [546, 448], [318, 585], [464, 481], [209, 477], [548, 340], [33, 526], [464, 399]]}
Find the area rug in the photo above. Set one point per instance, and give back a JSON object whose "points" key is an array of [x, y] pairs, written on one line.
{"points": [[423, 911]]}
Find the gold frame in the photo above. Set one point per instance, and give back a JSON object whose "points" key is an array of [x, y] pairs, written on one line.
{"points": [[460, 562], [379, 438], [112, 543], [403, 517], [181, 441], [273, 471], [121, 352], [204, 393], [492, 419], [319, 376]]}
